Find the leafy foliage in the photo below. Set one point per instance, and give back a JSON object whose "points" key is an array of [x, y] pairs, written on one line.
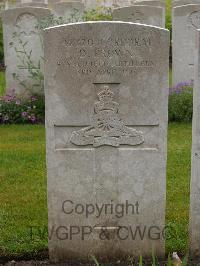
{"points": [[99, 14], [18, 110]]}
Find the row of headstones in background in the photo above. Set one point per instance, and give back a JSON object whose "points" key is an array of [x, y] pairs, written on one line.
{"points": [[120, 3], [185, 22], [150, 15], [150, 12], [89, 4], [23, 22], [106, 126], [184, 2]]}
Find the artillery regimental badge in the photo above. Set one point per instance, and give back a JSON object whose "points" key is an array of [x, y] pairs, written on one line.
{"points": [[107, 128]]}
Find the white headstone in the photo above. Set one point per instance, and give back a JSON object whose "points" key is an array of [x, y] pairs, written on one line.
{"points": [[20, 28], [106, 129], [93, 4], [184, 2], [33, 4], [66, 1], [121, 3], [185, 21], [70, 11], [195, 179], [149, 15], [157, 3], [21, 3], [90, 4]]}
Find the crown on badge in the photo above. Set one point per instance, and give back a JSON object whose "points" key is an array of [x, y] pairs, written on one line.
{"points": [[106, 93]]}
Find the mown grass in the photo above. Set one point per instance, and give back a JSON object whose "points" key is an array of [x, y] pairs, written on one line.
{"points": [[168, 14], [23, 188], [2, 83], [178, 185]]}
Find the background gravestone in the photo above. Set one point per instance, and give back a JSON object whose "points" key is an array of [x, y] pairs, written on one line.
{"points": [[72, 11], [184, 2], [149, 15], [105, 3], [90, 4], [185, 21], [51, 3], [34, 4], [20, 28], [27, 2], [195, 179], [106, 123], [121, 3], [158, 3]]}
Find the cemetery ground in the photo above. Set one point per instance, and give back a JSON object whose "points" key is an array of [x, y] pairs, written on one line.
{"points": [[23, 220]]}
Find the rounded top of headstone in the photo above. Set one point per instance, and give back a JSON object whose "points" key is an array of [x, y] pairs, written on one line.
{"points": [[10, 15], [138, 6], [32, 4], [176, 3], [187, 7], [105, 24], [150, 3]]}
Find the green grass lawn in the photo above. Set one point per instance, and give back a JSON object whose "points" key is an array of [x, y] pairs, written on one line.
{"points": [[23, 188], [2, 83]]}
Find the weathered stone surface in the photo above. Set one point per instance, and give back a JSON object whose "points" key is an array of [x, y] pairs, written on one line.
{"points": [[121, 3], [34, 4], [195, 179], [149, 3], [31, 1], [91, 4], [20, 28], [106, 123], [184, 2], [71, 11], [59, 1], [185, 21], [149, 15]]}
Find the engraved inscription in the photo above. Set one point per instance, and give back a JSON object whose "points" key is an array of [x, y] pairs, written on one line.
{"points": [[107, 128], [194, 19], [110, 56], [135, 41]]}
